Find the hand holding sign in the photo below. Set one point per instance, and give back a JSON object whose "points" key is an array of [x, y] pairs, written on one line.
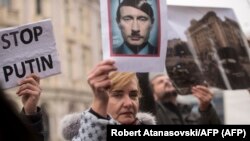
{"points": [[30, 92], [27, 49]]}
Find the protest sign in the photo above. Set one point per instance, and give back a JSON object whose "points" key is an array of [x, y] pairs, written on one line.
{"points": [[134, 34], [206, 46], [26, 49]]}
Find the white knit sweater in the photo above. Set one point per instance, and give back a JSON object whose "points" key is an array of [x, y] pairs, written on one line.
{"points": [[86, 126]]}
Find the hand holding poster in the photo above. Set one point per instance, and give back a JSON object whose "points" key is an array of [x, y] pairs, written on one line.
{"points": [[206, 46], [134, 33], [27, 49]]}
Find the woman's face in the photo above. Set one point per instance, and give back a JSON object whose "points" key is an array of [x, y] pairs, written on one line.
{"points": [[123, 103]]}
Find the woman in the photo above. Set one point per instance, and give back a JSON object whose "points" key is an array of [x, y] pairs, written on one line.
{"points": [[116, 101]]}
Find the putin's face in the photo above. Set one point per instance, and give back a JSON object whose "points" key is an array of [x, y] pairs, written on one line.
{"points": [[135, 25]]}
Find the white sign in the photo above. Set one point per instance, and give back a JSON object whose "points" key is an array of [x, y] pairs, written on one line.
{"points": [[134, 34], [27, 49], [237, 107]]}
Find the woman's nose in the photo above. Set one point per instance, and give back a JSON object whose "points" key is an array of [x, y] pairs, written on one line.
{"points": [[127, 101]]}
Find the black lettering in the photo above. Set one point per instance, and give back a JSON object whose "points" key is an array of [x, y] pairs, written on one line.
{"points": [[38, 30], [43, 64], [23, 68], [30, 63], [48, 62], [14, 36], [30, 38], [6, 41], [38, 65], [8, 70]]}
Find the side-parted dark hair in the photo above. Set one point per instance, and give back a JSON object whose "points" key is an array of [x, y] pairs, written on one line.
{"points": [[142, 5]]}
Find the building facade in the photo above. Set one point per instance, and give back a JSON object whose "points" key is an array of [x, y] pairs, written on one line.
{"points": [[77, 31], [219, 42], [212, 32]]}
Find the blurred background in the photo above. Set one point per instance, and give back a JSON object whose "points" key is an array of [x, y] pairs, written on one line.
{"points": [[77, 30]]}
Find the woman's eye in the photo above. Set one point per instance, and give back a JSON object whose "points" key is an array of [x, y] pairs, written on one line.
{"points": [[133, 94], [117, 94]]}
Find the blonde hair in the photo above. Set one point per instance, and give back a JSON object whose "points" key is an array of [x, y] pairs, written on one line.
{"points": [[121, 79]]}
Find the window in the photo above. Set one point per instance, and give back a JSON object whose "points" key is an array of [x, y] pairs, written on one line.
{"points": [[70, 60], [6, 3], [81, 17], [38, 7], [67, 12]]}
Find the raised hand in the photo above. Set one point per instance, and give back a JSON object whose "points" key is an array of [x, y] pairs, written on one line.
{"points": [[99, 81], [204, 96], [30, 91]]}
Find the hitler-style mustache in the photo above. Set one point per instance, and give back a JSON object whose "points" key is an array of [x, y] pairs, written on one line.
{"points": [[136, 34]]}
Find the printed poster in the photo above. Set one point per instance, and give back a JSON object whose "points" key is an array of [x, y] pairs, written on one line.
{"points": [[26, 49], [206, 46], [134, 34]]}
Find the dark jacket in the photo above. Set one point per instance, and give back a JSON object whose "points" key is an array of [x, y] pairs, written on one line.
{"points": [[147, 102], [16, 126], [182, 114], [35, 122], [170, 114]]}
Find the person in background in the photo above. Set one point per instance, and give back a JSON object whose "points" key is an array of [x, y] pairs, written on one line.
{"points": [[170, 111], [27, 125], [115, 102]]}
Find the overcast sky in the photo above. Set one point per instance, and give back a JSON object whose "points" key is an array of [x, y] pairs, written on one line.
{"points": [[240, 7]]}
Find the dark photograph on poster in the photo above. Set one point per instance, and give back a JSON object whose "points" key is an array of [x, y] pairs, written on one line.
{"points": [[206, 46]]}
